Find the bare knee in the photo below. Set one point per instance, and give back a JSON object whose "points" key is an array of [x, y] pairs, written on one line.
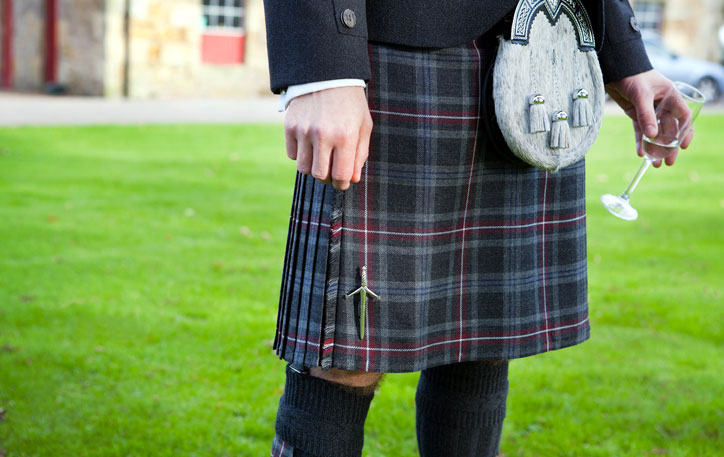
{"points": [[348, 378]]}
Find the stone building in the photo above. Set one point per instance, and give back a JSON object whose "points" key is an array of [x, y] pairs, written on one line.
{"points": [[138, 48], [168, 48], [689, 27]]}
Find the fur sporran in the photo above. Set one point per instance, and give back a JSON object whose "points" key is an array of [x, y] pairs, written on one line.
{"points": [[547, 85]]}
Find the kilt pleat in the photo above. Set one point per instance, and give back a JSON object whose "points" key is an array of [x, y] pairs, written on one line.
{"points": [[336, 213], [282, 317], [474, 257], [313, 302], [302, 298]]}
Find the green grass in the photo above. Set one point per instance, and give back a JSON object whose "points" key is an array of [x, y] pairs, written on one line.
{"points": [[139, 271]]}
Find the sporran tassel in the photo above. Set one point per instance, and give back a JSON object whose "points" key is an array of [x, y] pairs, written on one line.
{"points": [[582, 111], [538, 116], [560, 132]]}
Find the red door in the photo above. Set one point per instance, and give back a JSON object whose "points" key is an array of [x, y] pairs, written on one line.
{"points": [[51, 41]]}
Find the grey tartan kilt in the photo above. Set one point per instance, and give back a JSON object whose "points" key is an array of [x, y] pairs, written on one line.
{"points": [[473, 256]]}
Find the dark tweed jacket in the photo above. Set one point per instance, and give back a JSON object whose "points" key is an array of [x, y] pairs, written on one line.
{"points": [[308, 41]]}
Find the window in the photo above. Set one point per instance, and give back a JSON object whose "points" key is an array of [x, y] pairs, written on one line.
{"points": [[225, 14], [650, 15], [223, 38]]}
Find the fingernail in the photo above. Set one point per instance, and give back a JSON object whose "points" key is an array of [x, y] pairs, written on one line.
{"points": [[651, 131]]}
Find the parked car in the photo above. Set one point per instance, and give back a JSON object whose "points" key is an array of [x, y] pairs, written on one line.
{"points": [[708, 77]]}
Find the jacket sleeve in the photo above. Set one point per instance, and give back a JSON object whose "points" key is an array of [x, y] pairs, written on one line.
{"points": [[316, 40], [623, 53]]}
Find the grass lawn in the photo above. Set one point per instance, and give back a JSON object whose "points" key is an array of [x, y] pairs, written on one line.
{"points": [[139, 271]]}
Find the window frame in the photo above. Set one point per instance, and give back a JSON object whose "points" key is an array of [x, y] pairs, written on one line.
{"points": [[650, 15], [225, 10]]}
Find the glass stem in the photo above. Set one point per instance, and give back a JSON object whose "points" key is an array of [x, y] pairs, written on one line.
{"points": [[635, 182]]}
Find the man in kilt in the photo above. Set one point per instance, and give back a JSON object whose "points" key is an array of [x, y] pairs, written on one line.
{"points": [[413, 244]]}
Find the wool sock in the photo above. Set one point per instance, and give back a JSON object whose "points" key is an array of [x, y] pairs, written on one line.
{"points": [[320, 418], [460, 409]]}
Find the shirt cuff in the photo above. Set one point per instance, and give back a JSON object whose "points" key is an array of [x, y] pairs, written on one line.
{"points": [[295, 91]]}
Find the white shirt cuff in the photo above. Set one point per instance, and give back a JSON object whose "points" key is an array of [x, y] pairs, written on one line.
{"points": [[297, 90]]}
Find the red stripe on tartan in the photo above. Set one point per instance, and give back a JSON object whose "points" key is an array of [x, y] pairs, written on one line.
{"points": [[414, 118], [335, 230], [468, 340], [328, 345]]}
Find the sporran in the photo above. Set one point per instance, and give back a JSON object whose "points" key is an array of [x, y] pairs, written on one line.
{"points": [[547, 85]]}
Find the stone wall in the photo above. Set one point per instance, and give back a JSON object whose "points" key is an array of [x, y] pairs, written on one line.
{"points": [[165, 52], [29, 45], [81, 33], [114, 48], [164, 49], [690, 27]]}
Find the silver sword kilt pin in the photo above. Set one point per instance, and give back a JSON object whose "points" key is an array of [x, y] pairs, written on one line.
{"points": [[362, 291]]}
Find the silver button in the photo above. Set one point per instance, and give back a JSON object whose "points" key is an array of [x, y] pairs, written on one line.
{"points": [[349, 19], [635, 24]]}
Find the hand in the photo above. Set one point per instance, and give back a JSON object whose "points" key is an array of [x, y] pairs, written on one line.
{"points": [[638, 95], [328, 134]]}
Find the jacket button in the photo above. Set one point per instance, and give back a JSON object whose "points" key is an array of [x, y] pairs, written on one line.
{"points": [[635, 24], [349, 19]]}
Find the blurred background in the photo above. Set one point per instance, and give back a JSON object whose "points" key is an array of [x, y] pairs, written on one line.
{"points": [[134, 48], [152, 48]]}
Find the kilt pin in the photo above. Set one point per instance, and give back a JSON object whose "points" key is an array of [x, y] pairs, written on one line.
{"points": [[473, 256]]}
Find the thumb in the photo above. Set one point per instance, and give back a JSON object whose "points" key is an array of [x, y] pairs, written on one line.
{"points": [[643, 102]]}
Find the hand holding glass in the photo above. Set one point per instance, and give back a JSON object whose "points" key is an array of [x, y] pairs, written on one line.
{"points": [[675, 115]]}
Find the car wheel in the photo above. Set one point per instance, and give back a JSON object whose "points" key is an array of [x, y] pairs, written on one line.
{"points": [[710, 88]]}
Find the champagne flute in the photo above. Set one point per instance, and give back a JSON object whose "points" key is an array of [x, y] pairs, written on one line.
{"points": [[675, 115]]}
